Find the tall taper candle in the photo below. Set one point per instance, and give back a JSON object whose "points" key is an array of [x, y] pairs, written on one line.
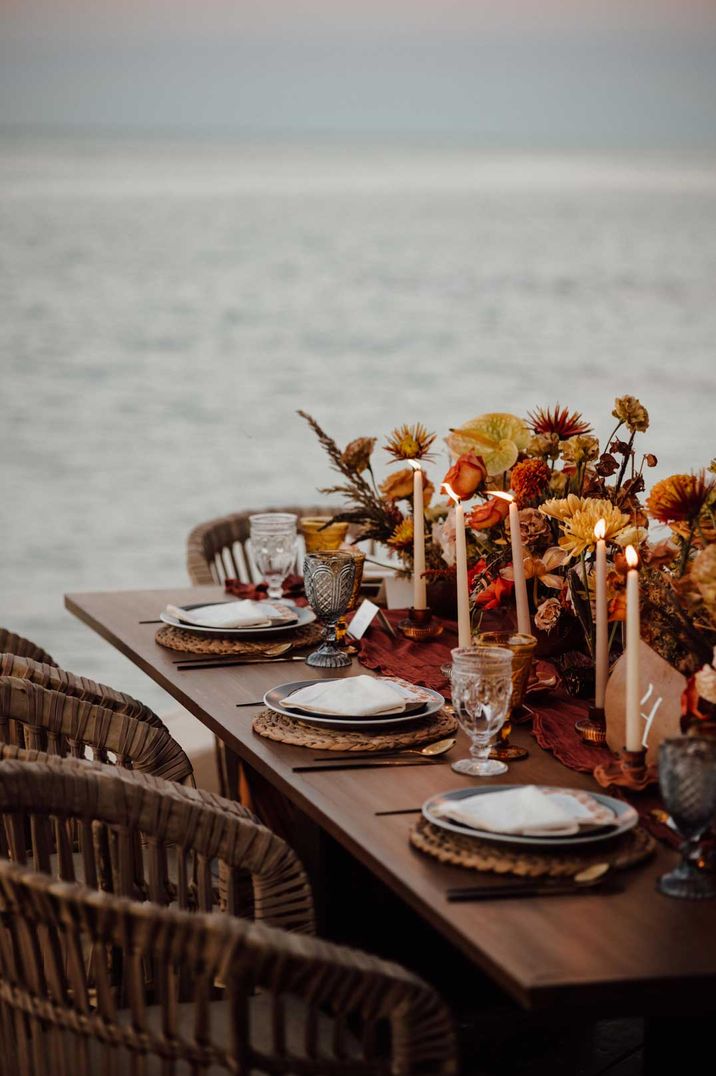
{"points": [[464, 633], [633, 637], [419, 593], [601, 650], [518, 571]]}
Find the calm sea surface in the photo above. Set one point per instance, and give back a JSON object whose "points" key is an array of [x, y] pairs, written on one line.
{"points": [[166, 306]]}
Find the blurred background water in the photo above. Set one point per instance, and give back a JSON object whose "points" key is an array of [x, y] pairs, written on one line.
{"points": [[167, 305]]}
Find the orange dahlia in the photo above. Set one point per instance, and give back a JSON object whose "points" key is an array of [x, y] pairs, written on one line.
{"points": [[529, 481], [558, 420], [680, 498]]}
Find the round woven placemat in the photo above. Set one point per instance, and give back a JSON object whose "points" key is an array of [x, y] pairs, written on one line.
{"points": [[475, 854], [189, 642], [286, 729]]}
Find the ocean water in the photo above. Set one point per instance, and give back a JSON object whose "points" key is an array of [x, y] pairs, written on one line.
{"points": [[166, 306]]}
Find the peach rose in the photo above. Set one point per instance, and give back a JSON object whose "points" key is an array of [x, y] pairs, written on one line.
{"points": [[466, 475], [399, 486], [489, 514]]}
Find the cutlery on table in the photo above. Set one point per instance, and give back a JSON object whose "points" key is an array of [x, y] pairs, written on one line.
{"points": [[234, 663], [375, 764], [431, 750], [588, 879], [256, 702], [277, 650], [400, 810]]}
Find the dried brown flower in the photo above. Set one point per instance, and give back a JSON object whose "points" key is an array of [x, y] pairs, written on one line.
{"points": [[580, 449], [398, 486], [548, 613], [356, 455], [633, 413], [534, 529]]}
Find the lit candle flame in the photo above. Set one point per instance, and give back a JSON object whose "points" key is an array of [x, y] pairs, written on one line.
{"points": [[600, 529], [501, 493], [451, 492], [632, 557], [415, 464]]}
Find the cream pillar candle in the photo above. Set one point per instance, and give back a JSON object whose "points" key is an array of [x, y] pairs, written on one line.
{"points": [[601, 650], [633, 637], [518, 566], [464, 633], [419, 593]]}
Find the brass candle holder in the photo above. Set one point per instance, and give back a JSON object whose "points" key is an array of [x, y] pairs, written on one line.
{"points": [[419, 626], [628, 770], [522, 648], [593, 727]]}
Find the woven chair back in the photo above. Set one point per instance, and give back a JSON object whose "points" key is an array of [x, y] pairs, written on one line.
{"points": [[94, 981], [218, 550], [36, 717], [10, 643]]}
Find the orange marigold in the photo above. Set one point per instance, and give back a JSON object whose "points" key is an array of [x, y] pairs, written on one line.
{"points": [[529, 481], [680, 498]]}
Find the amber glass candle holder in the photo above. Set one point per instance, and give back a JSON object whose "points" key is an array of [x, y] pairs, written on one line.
{"points": [[522, 648], [359, 561], [320, 534]]}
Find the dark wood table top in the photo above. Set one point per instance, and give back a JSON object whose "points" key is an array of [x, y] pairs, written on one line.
{"points": [[634, 951]]}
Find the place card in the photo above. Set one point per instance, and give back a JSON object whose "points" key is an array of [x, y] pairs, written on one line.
{"points": [[363, 618], [660, 690]]}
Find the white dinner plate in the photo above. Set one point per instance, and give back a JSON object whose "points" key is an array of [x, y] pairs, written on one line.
{"points": [[272, 699], [626, 817], [304, 616]]}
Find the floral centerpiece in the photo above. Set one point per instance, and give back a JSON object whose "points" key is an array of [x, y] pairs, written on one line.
{"points": [[564, 483]]}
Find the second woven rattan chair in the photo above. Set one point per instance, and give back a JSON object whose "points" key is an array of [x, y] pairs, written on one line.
{"points": [[93, 981], [37, 717]]}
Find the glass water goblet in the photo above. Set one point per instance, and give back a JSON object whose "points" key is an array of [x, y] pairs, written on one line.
{"points": [[329, 579], [273, 547], [687, 778], [481, 685]]}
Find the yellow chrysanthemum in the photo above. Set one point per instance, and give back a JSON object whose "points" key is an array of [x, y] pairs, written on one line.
{"points": [[498, 437], [402, 536], [578, 530], [564, 507]]}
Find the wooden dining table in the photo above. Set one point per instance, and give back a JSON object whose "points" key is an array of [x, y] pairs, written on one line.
{"points": [[632, 951]]}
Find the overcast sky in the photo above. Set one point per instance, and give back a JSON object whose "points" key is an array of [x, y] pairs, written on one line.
{"points": [[512, 72]]}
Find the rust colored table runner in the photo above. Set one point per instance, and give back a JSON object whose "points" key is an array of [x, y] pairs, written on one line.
{"points": [[554, 718]]}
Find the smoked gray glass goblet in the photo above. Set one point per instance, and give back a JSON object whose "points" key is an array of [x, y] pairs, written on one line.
{"points": [[328, 579], [687, 778]]}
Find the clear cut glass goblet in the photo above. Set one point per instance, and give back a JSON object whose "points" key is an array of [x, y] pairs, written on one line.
{"points": [[687, 778], [273, 547], [329, 579], [481, 687]]}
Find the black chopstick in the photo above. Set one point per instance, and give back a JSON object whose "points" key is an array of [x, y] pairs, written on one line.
{"points": [[525, 889], [150, 621], [402, 810], [232, 664], [375, 765], [259, 702]]}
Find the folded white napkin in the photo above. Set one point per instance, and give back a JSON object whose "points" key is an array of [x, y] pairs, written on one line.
{"points": [[356, 696], [239, 614], [527, 811]]}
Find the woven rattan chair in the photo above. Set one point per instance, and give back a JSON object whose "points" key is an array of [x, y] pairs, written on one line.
{"points": [[217, 550], [198, 849], [80, 687], [37, 717], [93, 981], [10, 643]]}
